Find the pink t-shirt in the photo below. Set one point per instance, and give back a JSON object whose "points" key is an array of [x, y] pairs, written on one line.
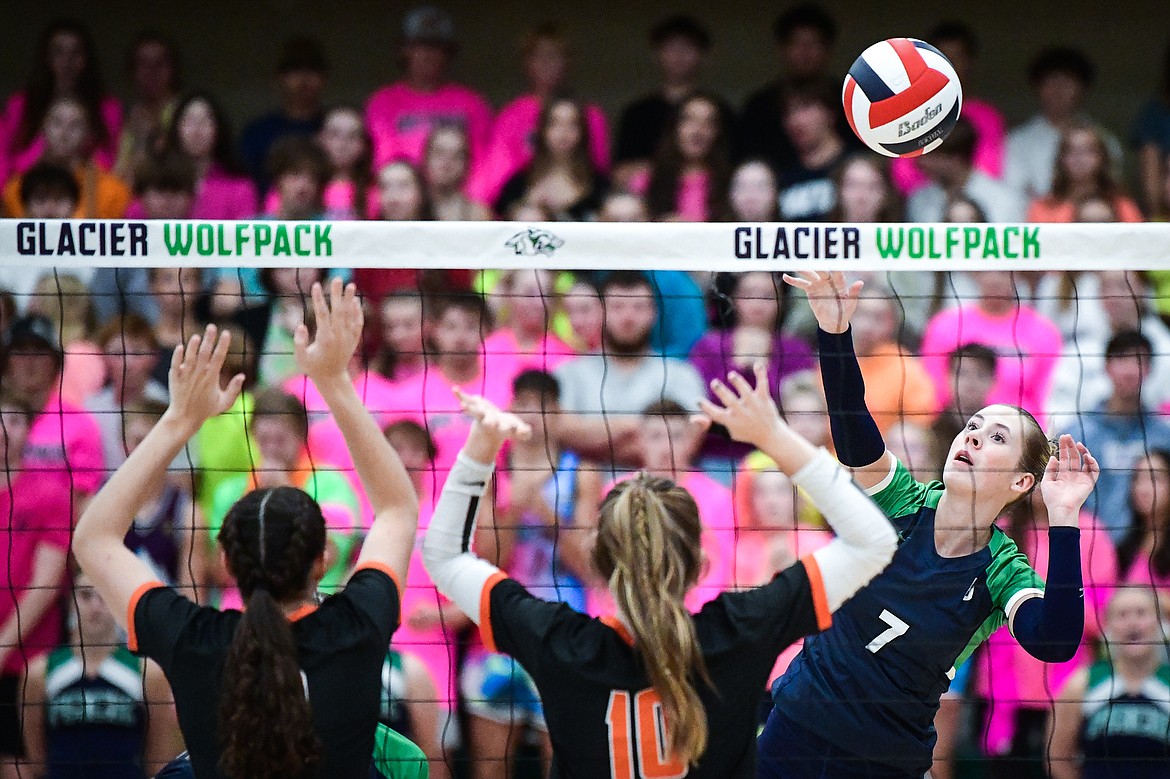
{"points": [[718, 541], [691, 199], [988, 124], [20, 160], [1028, 345], [1010, 677], [400, 120], [513, 145], [34, 511], [219, 195], [84, 372], [1141, 573], [65, 438], [502, 349]]}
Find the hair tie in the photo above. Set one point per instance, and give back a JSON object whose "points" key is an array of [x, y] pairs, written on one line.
{"points": [[260, 520]]}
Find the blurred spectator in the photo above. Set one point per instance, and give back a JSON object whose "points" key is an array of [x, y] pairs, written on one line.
{"points": [[401, 115], [299, 172], [678, 296], [690, 174], [165, 187], [163, 533], [445, 167], [1019, 688], [1027, 344], [1150, 137], [1083, 172], [350, 193], [753, 334], [806, 186], [402, 352], [601, 394], [64, 439], [273, 324], [864, 191], [225, 447], [561, 181], [200, 132], [805, 34], [64, 65], [803, 406], [63, 299], [130, 351], [1060, 77], [896, 383], [971, 375], [46, 192], [681, 45], [91, 703], [951, 171], [301, 75], [179, 296], [1110, 718], [68, 141], [546, 58], [1116, 301], [34, 543], [525, 331], [754, 194], [911, 442], [1143, 554], [155, 82], [583, 308], [1120, 430], [958, 43], [280, 429]]}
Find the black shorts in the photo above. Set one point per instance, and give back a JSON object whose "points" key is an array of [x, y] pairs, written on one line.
{"points": [[11, 743]]}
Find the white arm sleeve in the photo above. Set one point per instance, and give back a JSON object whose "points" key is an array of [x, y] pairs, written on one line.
{"points": [[865, 541], [446, 551]]}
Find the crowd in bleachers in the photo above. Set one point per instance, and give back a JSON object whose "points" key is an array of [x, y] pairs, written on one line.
{"points": [[607, 367]]}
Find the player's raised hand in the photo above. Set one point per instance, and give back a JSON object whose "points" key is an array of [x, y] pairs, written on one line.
{"points": [[339, 331], [496, 424], [749, 413], [196, 392], [1069, 478], [832, 299]]}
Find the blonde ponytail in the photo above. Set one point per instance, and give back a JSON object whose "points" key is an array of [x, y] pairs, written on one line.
{"points": [[648, 546]]}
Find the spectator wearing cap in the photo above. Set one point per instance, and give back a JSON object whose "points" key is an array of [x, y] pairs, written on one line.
{"points": [[47, 191], [681, 45], [300, 78], [804, 36], [401, 116], [546, 58], [1060, 78], [64, 439]]}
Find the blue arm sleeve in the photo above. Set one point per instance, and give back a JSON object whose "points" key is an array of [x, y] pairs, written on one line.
{"points": [[855, 435], [1050, 628]]}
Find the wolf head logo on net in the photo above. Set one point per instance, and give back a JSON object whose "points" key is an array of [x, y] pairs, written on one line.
{"points": [[534, 241]]}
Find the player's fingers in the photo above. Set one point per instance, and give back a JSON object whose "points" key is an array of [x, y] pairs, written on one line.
{"points": [[797, 281], [740, 383], [763, 386], [725, 395], [711, 411]]}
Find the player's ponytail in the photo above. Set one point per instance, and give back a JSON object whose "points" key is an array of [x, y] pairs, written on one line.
{"points": [[648, 547], [271, 539]]}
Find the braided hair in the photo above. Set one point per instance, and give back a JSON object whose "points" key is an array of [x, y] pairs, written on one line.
{"points": [[271, 538]]}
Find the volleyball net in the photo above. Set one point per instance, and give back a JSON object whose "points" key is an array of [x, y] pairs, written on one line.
{"points": [[550, 320]]}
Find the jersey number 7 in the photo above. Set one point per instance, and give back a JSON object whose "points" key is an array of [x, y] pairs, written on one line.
{"points": [[650, 726], [897, 627]]}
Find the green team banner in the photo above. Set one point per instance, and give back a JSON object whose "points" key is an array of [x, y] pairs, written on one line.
{"points": [[577, 245]]}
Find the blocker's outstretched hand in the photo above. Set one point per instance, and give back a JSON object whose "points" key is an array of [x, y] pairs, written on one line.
{"points": [[749, 413], [831, 298], [196, 392], [339, 331], [1068, 480]]}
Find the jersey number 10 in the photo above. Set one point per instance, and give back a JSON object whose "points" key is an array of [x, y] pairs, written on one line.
{"points": [[650, 726]]}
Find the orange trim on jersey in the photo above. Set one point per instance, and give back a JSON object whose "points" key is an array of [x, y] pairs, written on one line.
{"points": [[485, 610], [301, 612], [816, 585], [616, 625], [377, 566], [132, 640]]}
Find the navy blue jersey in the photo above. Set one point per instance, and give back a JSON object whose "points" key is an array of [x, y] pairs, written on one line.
{"points": [[1126, 734], [871, 683]]}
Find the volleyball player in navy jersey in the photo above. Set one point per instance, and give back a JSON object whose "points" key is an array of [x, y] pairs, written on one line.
{"points": [[653, 691], [860, 699], [288, 689]]}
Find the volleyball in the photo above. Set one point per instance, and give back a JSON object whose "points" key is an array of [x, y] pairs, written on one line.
{"points": [[902, 97]]}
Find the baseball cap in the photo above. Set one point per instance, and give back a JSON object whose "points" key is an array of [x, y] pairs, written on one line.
{"points": [[428, 24], [35, 331]]}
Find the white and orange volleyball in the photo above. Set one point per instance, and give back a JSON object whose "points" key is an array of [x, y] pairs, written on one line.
{"points": [[902, 97]]}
